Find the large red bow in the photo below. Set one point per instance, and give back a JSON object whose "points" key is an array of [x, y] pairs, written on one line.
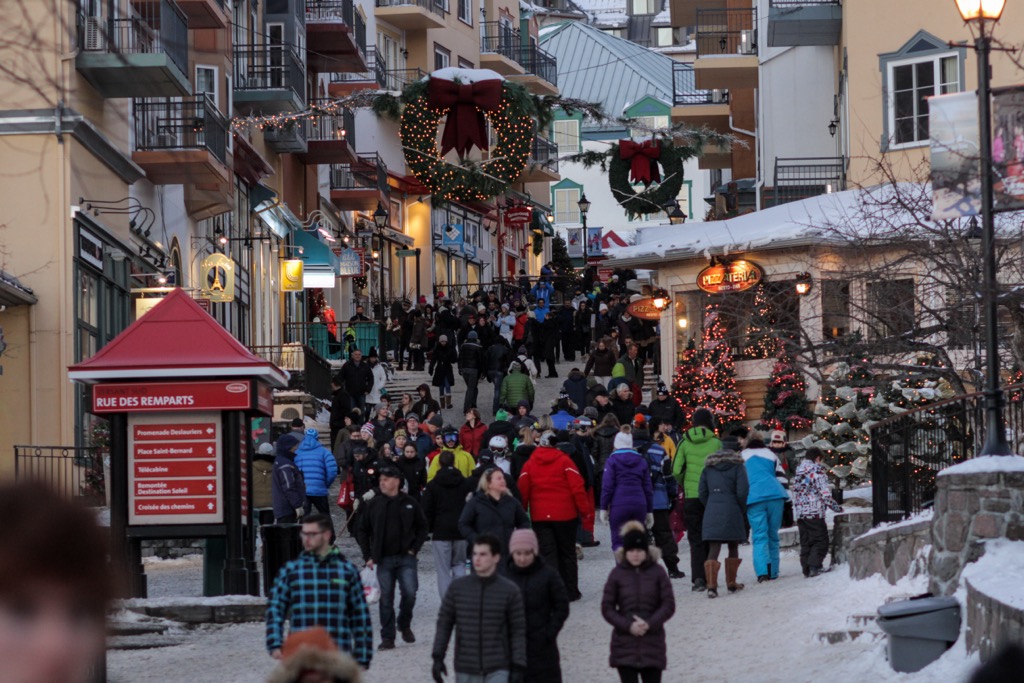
{"points": [[644, 160], [466, 104]]}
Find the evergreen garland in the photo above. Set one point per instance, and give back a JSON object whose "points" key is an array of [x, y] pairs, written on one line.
{"points": [[654, 198]]}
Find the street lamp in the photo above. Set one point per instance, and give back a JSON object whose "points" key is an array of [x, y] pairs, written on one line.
{"points": [[981, 13], [380, 219], [584, 205]]}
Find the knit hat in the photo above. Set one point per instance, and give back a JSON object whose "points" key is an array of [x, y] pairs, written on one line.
{"points": [[413, 418], [316, 638], [390, 471], [523, 403], [591, 412], [662, 390], [550, 439], [603, 307], [265, 449], [635, 537], [399, 432], [501, 415], [778, 435], [311, 432], [287, 441], [367, 430], [472, 335], [436, 421], [523, 539], [522, 351], [443, 338], [623, 440], [639, 420]]}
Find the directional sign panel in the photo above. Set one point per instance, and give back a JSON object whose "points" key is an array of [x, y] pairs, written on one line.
{"points": [[174, 469]]}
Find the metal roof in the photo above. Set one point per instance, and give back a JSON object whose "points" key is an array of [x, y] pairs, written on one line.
{"points": [[598, 67]]}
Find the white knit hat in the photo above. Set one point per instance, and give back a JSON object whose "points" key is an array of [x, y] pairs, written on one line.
{"points": [[623, 440]]}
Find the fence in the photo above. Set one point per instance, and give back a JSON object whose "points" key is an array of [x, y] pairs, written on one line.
{"points": [[269, 67], [909, 450], [435, 6], [150, 28], [500, 38], [685, 91], [73, 470], [339, 126], [180, 123], [726, 31], [310, 372]]}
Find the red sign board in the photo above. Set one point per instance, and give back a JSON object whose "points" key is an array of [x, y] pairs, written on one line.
{"points": [[735, 276], [174, 466], [264, 399], [172, 396], [605, 274], [519, 216]]}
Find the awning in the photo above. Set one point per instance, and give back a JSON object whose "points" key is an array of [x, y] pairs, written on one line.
{"points": [[320, 266], [540, 224], [13, 293], [277, 216]]}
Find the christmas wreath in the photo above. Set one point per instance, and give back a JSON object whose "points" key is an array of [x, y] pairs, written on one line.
{"points": [[468, 98], [637, 162]]}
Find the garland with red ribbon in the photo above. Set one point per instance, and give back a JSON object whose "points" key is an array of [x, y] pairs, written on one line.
{"points": [[637, 162], [468, 107]]}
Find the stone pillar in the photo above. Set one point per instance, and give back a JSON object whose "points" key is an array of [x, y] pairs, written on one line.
{"points": [[846, 527], [971, 508]]}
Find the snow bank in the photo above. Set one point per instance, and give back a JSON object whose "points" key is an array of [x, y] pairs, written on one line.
{"points": [[215, 601], [172, 562], [990, 576], [863, 493], [987, 463], [923, 516]]}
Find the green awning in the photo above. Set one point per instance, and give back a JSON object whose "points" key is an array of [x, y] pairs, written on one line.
{"points": [[316, 255]]}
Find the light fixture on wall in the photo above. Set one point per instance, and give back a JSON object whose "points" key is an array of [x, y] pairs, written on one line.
{"points": [[803, 283], [833, 126]]}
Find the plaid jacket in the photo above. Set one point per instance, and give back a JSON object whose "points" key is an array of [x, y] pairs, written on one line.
{"points": [[310, 591]]}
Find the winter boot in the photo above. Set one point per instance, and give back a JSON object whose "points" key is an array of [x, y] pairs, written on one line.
{"points": [[711, 568], [763, 578], [732, 567]]}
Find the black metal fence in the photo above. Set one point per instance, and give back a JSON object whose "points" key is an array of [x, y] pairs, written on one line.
{"points": [[726, 31], [73, 470], [544, 153], [180, 123], [308, 370], [435, 6], [909, 450], [800, 178], [501, 38], [538, 62], [339, 126], [368, 171], [148, 28], [685, 91], [269, 67], [397, 79]]}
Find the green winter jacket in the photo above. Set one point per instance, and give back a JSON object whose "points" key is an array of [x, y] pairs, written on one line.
{"points": [[693, 449], [514, 388]]}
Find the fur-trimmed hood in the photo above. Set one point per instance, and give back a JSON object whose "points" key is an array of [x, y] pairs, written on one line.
{"points": [[653, 552], [723, 457], [338, 664]]}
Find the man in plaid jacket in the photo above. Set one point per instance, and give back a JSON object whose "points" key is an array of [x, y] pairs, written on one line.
{"points": [[320, 588]]}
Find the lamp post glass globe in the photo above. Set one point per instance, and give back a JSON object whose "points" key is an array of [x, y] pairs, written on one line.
{"points": [[584, 205], [380, 216], [980, 10]]}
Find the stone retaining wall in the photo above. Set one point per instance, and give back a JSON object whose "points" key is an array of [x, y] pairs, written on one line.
{"points": [[894, 552], [991, 623], [172, 548], [846, 527]]}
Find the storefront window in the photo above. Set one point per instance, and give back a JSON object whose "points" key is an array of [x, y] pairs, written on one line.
{"points": [[750, 319], [835, 308], [473, 275]]}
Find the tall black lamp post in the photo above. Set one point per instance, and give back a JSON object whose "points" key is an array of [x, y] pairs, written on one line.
{"points": [[983, 14], [584, 205], [380, 219]]}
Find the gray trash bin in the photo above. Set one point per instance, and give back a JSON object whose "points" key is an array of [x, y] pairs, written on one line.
{"points": [[919, 630]]}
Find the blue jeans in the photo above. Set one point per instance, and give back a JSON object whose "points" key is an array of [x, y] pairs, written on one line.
{"points": [[496, 379], [400, 569], [765, 519]]}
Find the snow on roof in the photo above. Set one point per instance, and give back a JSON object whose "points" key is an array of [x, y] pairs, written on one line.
{"points": [[600, 5], [990, 576], [610, 19], [987, 463]]}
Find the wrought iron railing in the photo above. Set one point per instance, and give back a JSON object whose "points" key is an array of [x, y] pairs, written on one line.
{"points": [[397, 79], [685, 91], [544, 153], [336, 126], [148, 29], [310, 371], [269, 67], [800, 178], [538, 62], [368, 171], [376, 70], [73, 470], [180, 123], [910, 449], [330, 10], [787, 4], [726, 31], [435, 6], [500, 38]]}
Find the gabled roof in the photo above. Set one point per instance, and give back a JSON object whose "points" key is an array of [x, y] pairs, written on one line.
{"points": [[176, 338], [598, 67]]}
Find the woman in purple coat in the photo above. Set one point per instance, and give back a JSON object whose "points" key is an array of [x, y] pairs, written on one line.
{"points": [[626, 490], [637, 602]]}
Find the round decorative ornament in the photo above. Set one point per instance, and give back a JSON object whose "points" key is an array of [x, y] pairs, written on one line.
{"points": [[637, 162]]}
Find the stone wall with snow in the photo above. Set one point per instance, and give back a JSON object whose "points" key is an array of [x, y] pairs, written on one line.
{"points": [[995, 599], [892, 550]]}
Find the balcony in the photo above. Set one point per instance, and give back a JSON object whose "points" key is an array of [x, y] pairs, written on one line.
{"points": [[397, 79], [542, 166], [797, 179], [695, 107], [141, 54], [335, 37], [541, 77], [181, 141], [309, 370], [499, 48], [374, 78], [330, 136], [726, 49], [360, 185], [411, 15], [199, 13], [268, 79], [684, 12], [804, 22], [715, 157], [287, 139]]}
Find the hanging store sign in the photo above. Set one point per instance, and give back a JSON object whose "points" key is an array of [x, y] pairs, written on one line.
{"points": [[644, 309], [291, 275], [736, 276], [352, 263], [217, 273], [519, 216]]}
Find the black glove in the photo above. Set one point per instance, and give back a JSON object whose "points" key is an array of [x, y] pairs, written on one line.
{"points": [[517, 675], [439, 671]]}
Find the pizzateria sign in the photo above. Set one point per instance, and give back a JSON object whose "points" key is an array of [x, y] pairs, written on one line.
{"points": [[735, 276]]}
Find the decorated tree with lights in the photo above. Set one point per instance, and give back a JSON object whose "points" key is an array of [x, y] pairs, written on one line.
{"points": [[684, 380], [715, 379], [785, 398], [762, 339]]}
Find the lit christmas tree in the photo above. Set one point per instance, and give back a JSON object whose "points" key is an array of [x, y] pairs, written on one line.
{"points": [[684, 380], [715, 380], [1015, 395], [785, 398], [762, 341]]}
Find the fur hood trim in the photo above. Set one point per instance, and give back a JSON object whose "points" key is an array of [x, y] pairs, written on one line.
{"points": [[723, 457], [338, 664], [653, 552]]}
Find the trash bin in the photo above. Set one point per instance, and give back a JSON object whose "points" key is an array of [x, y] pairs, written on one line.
{"points": [[919, 630], [282, 543]]}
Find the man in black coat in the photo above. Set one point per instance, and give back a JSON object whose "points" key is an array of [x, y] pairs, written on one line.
{"points": [[443, 501], [566, 317], [666, 409], [471, 361], [357, 378], [487, 609], [341, 407], [497, 358], [392, 529]]}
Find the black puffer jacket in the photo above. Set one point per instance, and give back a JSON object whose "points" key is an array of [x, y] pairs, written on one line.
{"points": [[501, 517], [547, 607], [443, 502], [604, 444], [491, 632]]}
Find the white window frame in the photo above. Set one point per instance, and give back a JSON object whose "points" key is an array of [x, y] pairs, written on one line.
{"points": [[660, 32], [465, 7], [570, 146], [890, 103], [445, 54], [572, 196], [215, 95]]}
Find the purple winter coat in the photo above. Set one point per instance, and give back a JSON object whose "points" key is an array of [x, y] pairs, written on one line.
{"points": [[646, 592], [626, 490]]}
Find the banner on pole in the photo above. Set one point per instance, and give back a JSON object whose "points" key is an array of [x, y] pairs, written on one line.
{"points": [[574, 242], [594, 242], [955, 155]]}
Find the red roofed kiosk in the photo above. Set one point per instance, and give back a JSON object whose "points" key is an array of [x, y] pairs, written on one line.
{"points": [[179, 391]]}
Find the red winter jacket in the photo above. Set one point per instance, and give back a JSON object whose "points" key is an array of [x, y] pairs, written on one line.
{"points": [[471, 437], [551, 487]]}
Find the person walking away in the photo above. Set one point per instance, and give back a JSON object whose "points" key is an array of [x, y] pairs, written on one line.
{"points": [[443, 502], [575, 387], [604, 444], [566, 317], [545, 602], [811, 497], [263, 484], [486, 611], [562, 413], [696, 445], [441, 369], [341, 407], [583, 327], [320, 588], [471, 362], [664, 494], [723, 490], [637, 602], [288, 488], [380, 379], [392, 529], [627, 493], [357, 378], [553, 491], [472, 432], [418, 341], [496, 361], [516, 387], [550, 331], [492, 510], [319, 469], [764, 505]]}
